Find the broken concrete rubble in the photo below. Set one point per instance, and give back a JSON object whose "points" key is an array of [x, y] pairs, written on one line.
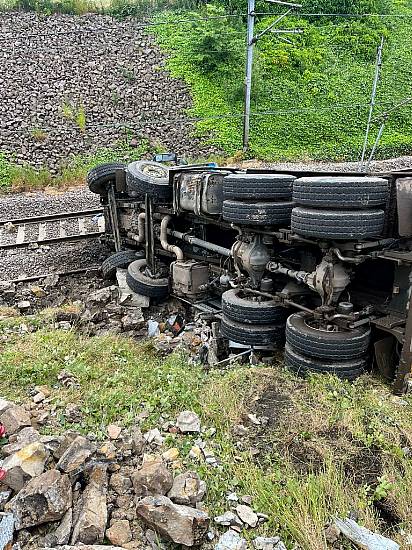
{"points": [[75, 456], [231, 540], [45, 498], [188, 422], [14, 419], [91, 509], [187, 488], [25, 464], [181, 524], [119, 533], [153, 478]]}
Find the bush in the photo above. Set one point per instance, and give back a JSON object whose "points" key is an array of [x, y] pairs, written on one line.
{"points": [[346, 6], [208, 45]]}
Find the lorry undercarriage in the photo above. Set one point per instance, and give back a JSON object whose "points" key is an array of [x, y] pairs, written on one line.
{"points": [[317, 262]]}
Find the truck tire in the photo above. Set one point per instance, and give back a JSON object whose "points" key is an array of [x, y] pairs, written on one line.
{"points": [[257, 213], [303, 365], [139, 282], [238, 305], [340, 192], [100, 177], [147, 177], [305, 338], [337, 225], [120, 260], [253, 335], [258, 186]]}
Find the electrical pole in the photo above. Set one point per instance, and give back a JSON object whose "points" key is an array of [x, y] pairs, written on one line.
{"points": [[250, 43], [249, 65]]}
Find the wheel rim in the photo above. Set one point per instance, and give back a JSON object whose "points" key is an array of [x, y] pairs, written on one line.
{"points": [[317, 324], [157, 172], [254, 298]]}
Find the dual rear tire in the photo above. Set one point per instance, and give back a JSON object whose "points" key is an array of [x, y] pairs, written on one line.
{"points": [[251, 320], [257, 199], [339, 207], [315, 348]]}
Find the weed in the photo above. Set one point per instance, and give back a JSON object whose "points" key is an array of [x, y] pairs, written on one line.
{"points": [[128, 74], [67, 110], [81, 118], [38, 134]]}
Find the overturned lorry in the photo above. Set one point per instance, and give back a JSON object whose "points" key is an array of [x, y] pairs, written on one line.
{"points": [[319, 263]]}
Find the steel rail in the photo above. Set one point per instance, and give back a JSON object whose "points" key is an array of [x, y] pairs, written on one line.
{"points": [[42, 221], [53, 217]]}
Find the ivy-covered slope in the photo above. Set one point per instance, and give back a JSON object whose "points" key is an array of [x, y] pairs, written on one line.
{"points": [[310, 97]]}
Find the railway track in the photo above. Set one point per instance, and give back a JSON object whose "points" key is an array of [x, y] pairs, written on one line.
{"points": [[50, 229]]}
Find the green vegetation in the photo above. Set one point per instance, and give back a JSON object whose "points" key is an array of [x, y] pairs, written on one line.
{"points": [[116, 8], [310, 97], [328, 447], [74, 113], [38, 134], [14, 177]]}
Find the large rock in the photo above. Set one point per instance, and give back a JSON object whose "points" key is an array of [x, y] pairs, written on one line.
{"points": [[61, 535], [181, 524], [18, 441], [91, 509], [187, 488], [45, 498], [152, 479], [75, 456], [22, 466], [119, 532], [14, 418], [231, 540], [247, 515], [4, 405], [188, 422], [138, 441]]}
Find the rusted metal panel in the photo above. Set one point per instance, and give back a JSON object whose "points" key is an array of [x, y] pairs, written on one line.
{"points": [[405, 363], [404, 202]]}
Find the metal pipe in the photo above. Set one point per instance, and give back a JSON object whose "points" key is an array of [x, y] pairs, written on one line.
{"points": [[300, 276], [163, 239], [342, 258], [139, 238], [200, 242]]}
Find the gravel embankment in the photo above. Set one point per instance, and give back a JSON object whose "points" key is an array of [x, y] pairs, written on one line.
{"points": [[24, 205], [399, 163], [54, 68], [20, 263]]}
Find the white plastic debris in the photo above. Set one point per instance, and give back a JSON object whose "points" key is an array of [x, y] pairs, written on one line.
{"points": [[6, 530], [152, 328], [231, 541], [364, 538]]}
